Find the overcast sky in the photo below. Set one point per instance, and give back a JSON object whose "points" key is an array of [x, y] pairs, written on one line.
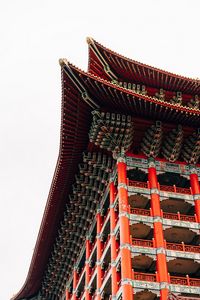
{"points": [[33, 36]]}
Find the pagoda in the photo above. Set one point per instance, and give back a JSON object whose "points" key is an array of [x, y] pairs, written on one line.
{"points": [[122, 217]]}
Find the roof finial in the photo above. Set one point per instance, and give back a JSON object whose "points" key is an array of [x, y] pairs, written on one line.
{"points": [[63, 62], [89, 40]]}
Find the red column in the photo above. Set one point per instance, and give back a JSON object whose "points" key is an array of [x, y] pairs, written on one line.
{"points": [[99, 252], [158, 231], [67, 295], [75, 281], [113, 222], [126, 264], [194, 182], [87, 270]]}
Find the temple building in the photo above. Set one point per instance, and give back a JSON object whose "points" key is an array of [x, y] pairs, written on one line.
{"points": [[122, 217]]}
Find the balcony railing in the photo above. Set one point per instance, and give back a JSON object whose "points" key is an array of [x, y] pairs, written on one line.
{"points": [[166, 215], [138, 184], [174, 189], [172, 296], [183, 247], [167, 188], [173, 279], [140, 211], [170, 246], [144, 276], [191, 248], [142, 243], [179, 217], [185, 281]]}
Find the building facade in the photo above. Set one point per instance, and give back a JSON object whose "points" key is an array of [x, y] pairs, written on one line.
{"points": [[122, 218]]}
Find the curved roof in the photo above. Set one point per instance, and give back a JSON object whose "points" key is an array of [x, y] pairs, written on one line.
{"points": [[74, 131], [115, 98], [102, 60], [82, 92]]}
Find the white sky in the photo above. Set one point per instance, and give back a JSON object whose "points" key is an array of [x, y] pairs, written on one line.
{"points": [[33, 36]]}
